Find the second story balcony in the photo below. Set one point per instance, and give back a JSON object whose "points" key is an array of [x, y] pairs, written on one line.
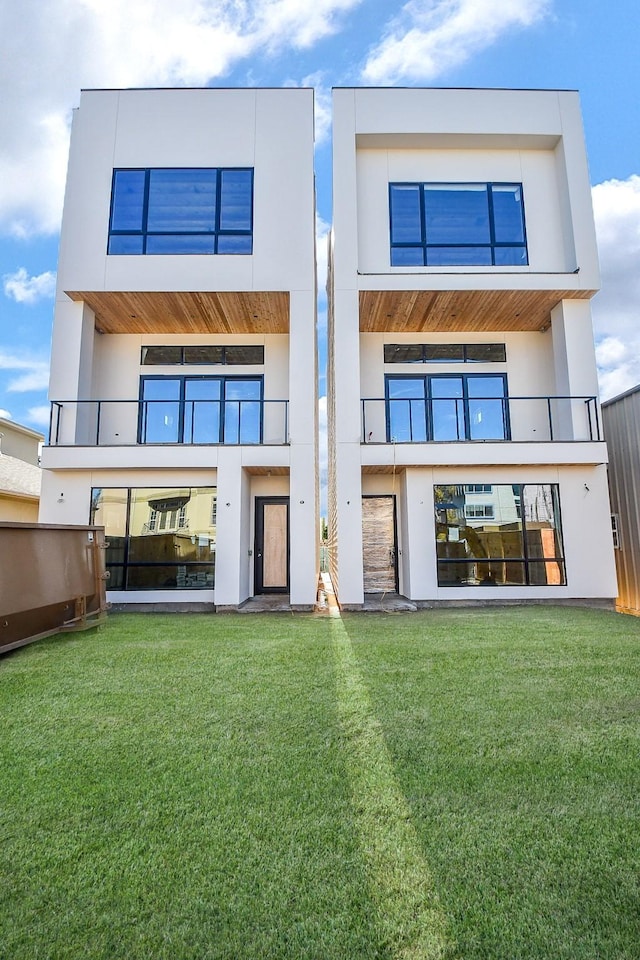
{"points": [[453, 417], [237, 420]]}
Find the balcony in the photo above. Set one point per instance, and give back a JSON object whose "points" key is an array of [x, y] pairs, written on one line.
{"points": [[477, 419], [105, 423]]}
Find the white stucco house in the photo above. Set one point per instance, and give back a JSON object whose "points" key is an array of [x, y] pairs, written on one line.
{"points": [[183, 376], [466, 454]]}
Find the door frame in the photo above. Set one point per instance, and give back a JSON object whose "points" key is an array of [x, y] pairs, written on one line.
{"points": [[258, 546], [392, 497]]}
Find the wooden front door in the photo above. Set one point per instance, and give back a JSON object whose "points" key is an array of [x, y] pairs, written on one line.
{"points": [[379, 544], [272, 545]]}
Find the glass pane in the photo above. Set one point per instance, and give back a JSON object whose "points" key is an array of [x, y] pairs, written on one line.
{"points": [[406, 387], [446, 387], [182, 201], [160, 355], [242, 413], [508, 216], [109, 510], [116, 577], [235, 244], [240, 354], [485, 386], [510, 256], [407, 421], [403, 353], [448, 420], [180, 244], [202, 411], [406, 220], [243, 389], [485, 353], [544, 539], [160, 413], [203, 355], [457, 213], [458, 256], [171, 577], [486, 420], [407, 256], [444, 352], [236, 199], [128, 200], [125, 244]]}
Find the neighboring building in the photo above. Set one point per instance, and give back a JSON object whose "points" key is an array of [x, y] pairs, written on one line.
{"points": [[466, 458], [183, 375], [20, 474], [621, 418]]}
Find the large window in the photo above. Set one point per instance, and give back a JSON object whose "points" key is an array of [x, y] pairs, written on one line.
{"points": [[207, 354], [159, 539], [457, 224], [200, 410], [446, 408], [186, 211], [444, 353], [511, 538]]}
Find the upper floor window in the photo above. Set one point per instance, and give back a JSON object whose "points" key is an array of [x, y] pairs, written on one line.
{"points": [[444, 353], [181, 211], [446, 408], [200, 410], [457, 224], [212, 355]]}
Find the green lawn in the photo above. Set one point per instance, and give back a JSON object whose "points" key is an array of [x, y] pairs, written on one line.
{"points": [[451, 784]]}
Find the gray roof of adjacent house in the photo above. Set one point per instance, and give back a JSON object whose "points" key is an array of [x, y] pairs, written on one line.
{"points": [[19, 478]]}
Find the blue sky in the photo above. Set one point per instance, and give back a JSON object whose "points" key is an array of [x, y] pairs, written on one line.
{"points": [[51, 50]]}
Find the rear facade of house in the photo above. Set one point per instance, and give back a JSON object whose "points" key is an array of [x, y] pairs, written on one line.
{"points": [[183, 378], [466, 454]]}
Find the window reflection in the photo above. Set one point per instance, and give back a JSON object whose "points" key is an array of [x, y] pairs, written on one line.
{"points": [[160, 538], [446, 408], [502, 534]]}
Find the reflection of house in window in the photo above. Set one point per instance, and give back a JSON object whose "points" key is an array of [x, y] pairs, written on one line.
{"points": [[167, 519]]}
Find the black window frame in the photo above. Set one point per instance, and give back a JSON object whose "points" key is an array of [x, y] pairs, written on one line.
{"points": [[126, 564], [425, 245], [526, 559], [223, 361], [216, 231], [429, 398], [182, 401], [423, 349]]}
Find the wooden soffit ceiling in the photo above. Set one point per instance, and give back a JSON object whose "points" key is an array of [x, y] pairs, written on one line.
{"points": [[446, 311], [185, 312]]}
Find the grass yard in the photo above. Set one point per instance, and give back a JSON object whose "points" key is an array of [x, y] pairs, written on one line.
{"points": [[450, 784]]}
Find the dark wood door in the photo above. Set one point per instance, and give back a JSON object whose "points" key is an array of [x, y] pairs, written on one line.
{"points": [[379, 549], [272, 545]]}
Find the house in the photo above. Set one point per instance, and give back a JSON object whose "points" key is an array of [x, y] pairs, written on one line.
{"points": [[621, 418], [183, 373], [20, 473], [466, 456]]}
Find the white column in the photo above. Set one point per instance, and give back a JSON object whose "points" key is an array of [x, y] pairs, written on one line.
{"points": [[575, 369], [229, 552]]}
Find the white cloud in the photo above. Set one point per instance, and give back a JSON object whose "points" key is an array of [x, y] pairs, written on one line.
{"points": [[39, 415], [5, 414], [22, 288], [430, 37], [116, 43], [616, 206], [34, 375]]}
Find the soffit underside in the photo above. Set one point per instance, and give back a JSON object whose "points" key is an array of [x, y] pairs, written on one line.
{"points": [[187, 312], [446, 311]]}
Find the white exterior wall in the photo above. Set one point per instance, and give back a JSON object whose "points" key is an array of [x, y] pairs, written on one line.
{"points": [[529, 137], [272, 132]]}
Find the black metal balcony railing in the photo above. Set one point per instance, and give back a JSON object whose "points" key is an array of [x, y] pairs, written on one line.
{"points": [[197, 422], [458, 419]]}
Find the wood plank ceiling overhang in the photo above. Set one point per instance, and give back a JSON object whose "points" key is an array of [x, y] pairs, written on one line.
{"points": [[187, 312], [447, 311]]}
